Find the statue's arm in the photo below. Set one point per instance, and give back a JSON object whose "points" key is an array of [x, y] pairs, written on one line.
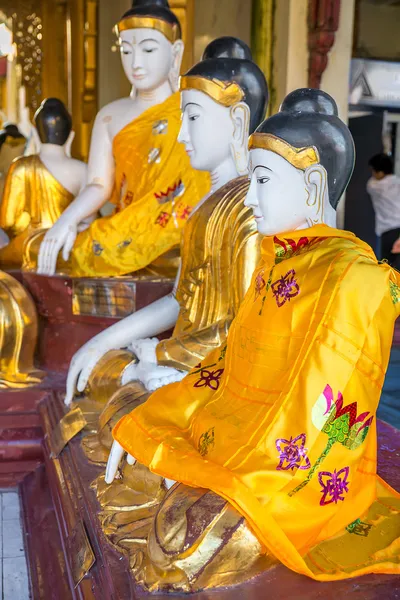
{"points": [[147, 322], [12, 217], [100, 181]]}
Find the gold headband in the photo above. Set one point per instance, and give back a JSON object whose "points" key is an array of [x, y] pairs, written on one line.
{"points": [[301, 158], [170, 30], [223, 92]]}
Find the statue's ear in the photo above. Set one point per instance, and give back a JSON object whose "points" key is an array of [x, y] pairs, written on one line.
{"points": [[36, 140], [240, 115], [68, 143], [177, 55], [316, 180]]}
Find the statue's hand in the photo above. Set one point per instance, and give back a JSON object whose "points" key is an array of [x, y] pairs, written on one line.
{"points": [[114, 459], [145, 349], [61, 236], [151, 375], [82, 364], [396, 247]]}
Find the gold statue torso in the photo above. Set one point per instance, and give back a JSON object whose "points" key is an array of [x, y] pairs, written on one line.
{"points": [[220, 250], [33, 199]]}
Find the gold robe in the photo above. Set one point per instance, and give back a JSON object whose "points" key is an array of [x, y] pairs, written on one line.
{"points": [[154, 193], [283, 425], [220, 250], [33, 200]]}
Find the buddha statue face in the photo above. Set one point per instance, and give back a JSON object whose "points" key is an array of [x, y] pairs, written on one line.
{"points": [[213, 133], [149, 59], [286, 198]]}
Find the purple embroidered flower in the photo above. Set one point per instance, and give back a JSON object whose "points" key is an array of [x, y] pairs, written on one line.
{"points": [[292, 453], [334, 485], [97, 248], [285, 288], [210, 379]]}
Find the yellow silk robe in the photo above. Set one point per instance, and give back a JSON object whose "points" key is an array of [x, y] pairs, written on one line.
{"points": [[282, 422], [154, 193], [33, 200]]}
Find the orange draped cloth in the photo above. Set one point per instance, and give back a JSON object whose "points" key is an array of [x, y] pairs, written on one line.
{"points": [[282, 421], [155, 191]]}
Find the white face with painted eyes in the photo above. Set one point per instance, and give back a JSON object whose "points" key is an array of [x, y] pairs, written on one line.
{"points": [[284, 198], [147, 57], [209, 130]]}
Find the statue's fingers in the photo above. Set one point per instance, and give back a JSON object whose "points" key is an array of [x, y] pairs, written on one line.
{"points": [[52, 259], [71, 383], [169, 483], [43, 252], [114, 459], [131, 460], [69, 244], [84, 375]]}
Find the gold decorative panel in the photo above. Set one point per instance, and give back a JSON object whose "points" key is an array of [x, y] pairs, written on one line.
{"points": [[184, 10]]}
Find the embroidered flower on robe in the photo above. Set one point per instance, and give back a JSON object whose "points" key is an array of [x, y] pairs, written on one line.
{"points": [[206, 442], [163, 219], [334, 485], [210, 379], [287, 248], [340, 423], [285, 288], [259, 284], [360, 528], [97, 248], [394, 292], [292, 453]]}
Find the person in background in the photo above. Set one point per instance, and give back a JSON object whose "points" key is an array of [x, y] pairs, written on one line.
{"points": [[384, 189]]}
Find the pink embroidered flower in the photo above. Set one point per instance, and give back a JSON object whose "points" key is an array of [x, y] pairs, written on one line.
{"points": [[334, 485], [292, 453], [210, 379], [285, 288], [259, 284]]}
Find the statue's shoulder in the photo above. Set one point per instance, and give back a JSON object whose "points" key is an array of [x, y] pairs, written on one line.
{"points": [[114, 108], [23, 162]]}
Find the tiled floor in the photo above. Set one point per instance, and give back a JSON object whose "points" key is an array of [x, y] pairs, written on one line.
{"points": [[13, 570]]}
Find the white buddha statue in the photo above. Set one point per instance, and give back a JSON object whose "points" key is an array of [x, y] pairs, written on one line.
{"points": [[135, 161], [226, 92]]}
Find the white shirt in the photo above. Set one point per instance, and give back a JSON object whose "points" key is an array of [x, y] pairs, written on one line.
{"points": [[385, 196]]}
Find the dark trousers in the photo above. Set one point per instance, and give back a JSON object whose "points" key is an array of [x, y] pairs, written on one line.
{"points": [[387, 240]]}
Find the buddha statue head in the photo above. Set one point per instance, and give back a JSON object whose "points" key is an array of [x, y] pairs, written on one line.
{"points": [[224, 97], [151, 46], [53, 123], [301, 160]]}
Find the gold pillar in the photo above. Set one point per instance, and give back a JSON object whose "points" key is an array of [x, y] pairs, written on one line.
{"points": [[54, 63], [82, 61], [262, 40], [184, 10]]}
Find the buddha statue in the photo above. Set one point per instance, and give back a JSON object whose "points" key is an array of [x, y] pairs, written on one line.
{"points": [[135, 161], [39, 187], [18, 335], [12, 145], [272, 437], [219, 249]]}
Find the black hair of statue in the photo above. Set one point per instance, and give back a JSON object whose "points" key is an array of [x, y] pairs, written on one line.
{"points": [[309, 117], [53, 122], [382, 163], [158, 9], [227, 47], [246, 74]]}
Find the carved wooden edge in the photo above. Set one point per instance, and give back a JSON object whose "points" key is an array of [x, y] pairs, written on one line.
{"points": [[96, 570], [323, 22]]}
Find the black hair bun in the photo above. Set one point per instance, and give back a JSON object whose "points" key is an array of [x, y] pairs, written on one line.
{"points": [[309, 100], [227, 47], [140, 3]]}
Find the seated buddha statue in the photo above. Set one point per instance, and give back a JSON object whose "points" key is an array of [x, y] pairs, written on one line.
{"points": [[276, 436], [135, 161], [12, 145], [39, 187], [219, 249]]}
